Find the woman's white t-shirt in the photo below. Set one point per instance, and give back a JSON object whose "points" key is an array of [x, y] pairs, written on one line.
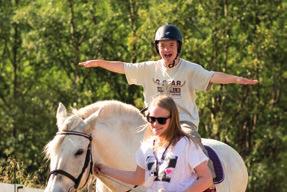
{"points": [[176, 172]]}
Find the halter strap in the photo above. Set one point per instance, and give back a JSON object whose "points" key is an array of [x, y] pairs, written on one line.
{"points": [[75, 133], [61, 172]]}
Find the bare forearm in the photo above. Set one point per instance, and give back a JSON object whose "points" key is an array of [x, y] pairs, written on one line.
{"points": [[204, 180], [200, 185], [223, 78], [114, 66], [129, 177]]}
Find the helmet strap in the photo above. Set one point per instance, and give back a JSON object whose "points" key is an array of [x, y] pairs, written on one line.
{"points": [[171, 65]]}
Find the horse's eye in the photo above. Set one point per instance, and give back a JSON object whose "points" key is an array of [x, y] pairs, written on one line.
{"points": [[79, 152]]}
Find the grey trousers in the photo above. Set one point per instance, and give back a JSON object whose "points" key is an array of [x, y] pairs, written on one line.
{"points": [[191, 130]]}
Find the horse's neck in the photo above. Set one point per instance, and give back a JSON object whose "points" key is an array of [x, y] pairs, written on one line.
{"points": [[115, 144], [116, 137]]}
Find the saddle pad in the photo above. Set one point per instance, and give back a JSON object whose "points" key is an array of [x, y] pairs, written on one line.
{"points": [[219, 174]]}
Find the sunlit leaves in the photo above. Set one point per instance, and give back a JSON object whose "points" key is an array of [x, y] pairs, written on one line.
{"points": [[41, 43]]}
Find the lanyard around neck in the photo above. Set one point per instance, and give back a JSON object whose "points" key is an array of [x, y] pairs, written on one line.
{"points": [[162, 156]]}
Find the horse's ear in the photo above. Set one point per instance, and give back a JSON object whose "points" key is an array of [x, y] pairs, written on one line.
{"points": [[61, 114], [92, 118]]}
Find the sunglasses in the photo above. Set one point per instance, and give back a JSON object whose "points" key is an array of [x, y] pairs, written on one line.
{"points": [[160, 120]]}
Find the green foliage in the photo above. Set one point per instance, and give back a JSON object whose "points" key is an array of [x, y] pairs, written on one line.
{"points": [[13, 171], [42, 42]]}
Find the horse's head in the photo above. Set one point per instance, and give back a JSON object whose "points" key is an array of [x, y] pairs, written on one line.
{"points": [[70, 152]]}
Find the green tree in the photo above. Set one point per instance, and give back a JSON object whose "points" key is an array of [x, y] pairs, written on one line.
{"points": [[42, 42]]}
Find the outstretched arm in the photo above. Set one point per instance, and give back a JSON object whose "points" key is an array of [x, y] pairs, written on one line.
{"points": [[131, 177], [114, 66], [223, 78]]}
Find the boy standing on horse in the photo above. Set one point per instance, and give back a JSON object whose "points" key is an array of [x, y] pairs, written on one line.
{"points": [[171, 75]]}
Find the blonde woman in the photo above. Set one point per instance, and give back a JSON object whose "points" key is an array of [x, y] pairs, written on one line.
{"points": [[167, 160]]}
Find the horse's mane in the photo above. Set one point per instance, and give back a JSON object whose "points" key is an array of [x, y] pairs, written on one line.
{"points": [[110, 110]]}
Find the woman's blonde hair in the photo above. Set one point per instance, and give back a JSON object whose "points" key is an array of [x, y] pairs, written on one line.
{"points": [[174, 131]]}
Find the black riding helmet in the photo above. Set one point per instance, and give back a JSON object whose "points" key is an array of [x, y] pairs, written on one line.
{"points": [[168, 32]]}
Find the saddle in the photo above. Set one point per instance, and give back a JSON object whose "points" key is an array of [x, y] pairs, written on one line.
{"points": [[218, 169]]}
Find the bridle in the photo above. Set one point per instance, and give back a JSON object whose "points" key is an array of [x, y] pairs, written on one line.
{"points": [[88, 160]]}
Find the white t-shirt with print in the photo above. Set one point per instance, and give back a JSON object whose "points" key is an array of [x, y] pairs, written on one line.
{"points": [[180, 82], [176, 172]]}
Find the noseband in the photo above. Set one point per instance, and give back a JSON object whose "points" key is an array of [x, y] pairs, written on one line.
{"points": [[88, 160]]}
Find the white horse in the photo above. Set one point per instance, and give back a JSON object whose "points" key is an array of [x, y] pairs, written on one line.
{"points": [[110, 132]]}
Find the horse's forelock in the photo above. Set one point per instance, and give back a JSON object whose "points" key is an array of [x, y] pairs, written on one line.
{"points": [[52, 147], [70, 123]]}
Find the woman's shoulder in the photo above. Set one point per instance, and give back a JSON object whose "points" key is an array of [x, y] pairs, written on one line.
{"points": [[182, 143], [187, 143], [147, 144]]}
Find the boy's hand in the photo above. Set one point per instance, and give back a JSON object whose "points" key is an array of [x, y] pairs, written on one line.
{"points": [[245, 81], [90, 63]]}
